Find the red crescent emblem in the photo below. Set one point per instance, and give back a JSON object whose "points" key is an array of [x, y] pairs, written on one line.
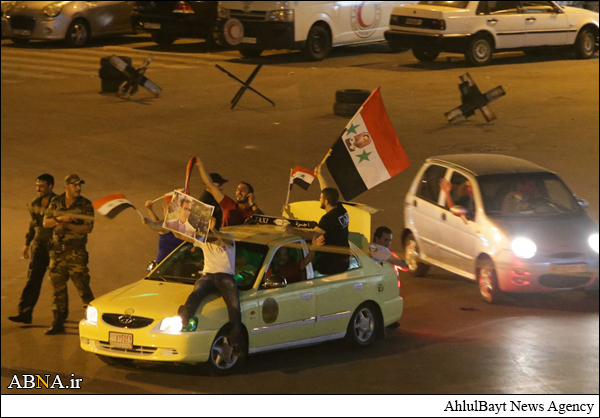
{"points": [[359, 16]]}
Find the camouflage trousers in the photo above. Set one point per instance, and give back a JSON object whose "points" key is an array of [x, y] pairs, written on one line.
{"points": [[65, 265]]}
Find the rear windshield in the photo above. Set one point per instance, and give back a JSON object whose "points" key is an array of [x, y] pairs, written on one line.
{"points": [[536, 195], [185, 264], [455, 4]]}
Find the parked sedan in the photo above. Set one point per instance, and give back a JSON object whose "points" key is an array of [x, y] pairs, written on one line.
{"points": [[75, 22], [139, 322], [168, 20], [479, 28], [506, 223]]}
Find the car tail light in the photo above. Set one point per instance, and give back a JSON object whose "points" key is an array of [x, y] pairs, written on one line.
{"points": [[399, 286], [439, 24], [183, 7]]}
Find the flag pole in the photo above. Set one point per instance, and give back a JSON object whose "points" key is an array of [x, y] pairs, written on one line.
{"points": [[139, 213], [287, 199], [326, 157], [156, 200]]}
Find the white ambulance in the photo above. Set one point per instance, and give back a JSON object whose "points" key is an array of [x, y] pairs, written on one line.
{"points": [[311, 26]]}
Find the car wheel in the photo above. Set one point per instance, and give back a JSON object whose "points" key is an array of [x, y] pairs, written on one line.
{"points": [[425, 55], [352, 96], [114, 361], [488, 282], [78, 33], [318, 44], [163, 39], [363, 326], [213, 37], [218, 366], [412, 256], [480, 51], [250, 53], [20, 41], [585, 45]]}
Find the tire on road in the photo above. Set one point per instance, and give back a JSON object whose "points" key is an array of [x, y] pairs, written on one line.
{"points": [[480, 50], [346, 109], [364, 325], [216, 365], [425, 55], [352, 96], [487, 281], [585, 45], [78, 33], [412, 256], [108, 71], [318, 44]]}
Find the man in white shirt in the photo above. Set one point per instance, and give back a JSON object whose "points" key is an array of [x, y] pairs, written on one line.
{"points": [[219, 269], [182, 224], [380, 248]]}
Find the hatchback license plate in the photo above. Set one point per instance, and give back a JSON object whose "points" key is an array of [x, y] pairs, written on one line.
{"points": [[414, 22], [150, 25], [21, 32], [568, 268], [120, 340]]}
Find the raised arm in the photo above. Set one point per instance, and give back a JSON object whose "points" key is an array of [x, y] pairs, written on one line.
{"points": [[214, 190], [322, 181]]}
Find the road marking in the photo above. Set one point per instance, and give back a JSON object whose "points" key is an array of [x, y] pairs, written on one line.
{"points": [[43, 61], [29, 74], [47, 68]]}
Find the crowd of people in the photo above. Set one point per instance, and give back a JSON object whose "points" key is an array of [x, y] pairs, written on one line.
{"points": [[59, 226]]}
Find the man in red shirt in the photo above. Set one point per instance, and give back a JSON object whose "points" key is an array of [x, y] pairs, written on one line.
{"points": [[235, 212]]}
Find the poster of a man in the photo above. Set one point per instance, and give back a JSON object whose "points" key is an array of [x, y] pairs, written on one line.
{"points": [[188, 216]]}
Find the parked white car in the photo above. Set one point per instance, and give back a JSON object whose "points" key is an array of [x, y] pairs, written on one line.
{"points": [[510, 225], [479, 28]]}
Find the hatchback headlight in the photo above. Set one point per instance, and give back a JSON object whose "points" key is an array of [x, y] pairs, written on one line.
{"points": [[91, 314], [53, 9], [594, 242], [281, 15], [524, 248], [173, 324]]}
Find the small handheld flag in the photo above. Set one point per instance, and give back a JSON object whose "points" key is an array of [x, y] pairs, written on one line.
{"points": [[302, 177], [111, 206]]}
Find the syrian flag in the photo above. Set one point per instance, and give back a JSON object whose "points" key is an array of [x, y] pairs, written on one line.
{"points": [[368, 152], [111, 206], [302, 177]]}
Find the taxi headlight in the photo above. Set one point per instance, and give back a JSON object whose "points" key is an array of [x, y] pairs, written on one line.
{"points": [[524, 248], [53, 9], [286, 15], [173, 324], [594, 242], [91, 314]]}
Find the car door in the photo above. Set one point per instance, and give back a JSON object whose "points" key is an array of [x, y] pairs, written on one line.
{"points": [[425, 211], [546, 24], [506, 22], [286, 314], [337, 296], [458, 236], [108, 17], [361, 21]]}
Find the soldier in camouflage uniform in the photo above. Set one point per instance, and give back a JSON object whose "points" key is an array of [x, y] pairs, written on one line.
{"points": [[72, 217], [37, 245]]}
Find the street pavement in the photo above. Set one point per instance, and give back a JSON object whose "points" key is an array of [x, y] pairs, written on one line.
{"points": [[55, 120]]}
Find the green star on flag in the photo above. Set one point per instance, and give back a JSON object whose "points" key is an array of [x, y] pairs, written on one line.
{"points": [[364, 156], [352, 128]]}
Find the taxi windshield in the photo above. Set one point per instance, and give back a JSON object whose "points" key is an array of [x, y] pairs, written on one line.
{"points": [[455, 4], [526, 195], [186, 263]]}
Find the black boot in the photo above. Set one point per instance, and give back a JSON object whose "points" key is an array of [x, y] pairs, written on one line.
{"points": [[24, 318], [58, 325]]}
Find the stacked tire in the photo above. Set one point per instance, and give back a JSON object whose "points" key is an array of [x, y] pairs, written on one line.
{"points": [[348, 101], [111, 78]]}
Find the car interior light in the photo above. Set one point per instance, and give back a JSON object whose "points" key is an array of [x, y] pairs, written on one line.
{"points": [[593, 241], [524, 248], [91, 314]]}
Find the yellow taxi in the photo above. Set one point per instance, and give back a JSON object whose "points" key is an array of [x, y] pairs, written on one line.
{"points": [[140, 322]]}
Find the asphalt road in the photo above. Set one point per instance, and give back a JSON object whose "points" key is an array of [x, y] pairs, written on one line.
{"points": [[449, 341]]}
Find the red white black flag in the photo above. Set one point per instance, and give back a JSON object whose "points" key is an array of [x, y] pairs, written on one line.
{"points": [[302, 177]]}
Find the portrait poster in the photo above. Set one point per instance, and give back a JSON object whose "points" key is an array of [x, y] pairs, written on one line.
{"points": [[188, 216]]}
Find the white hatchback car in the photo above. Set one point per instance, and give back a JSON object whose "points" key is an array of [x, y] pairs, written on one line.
{"points": [[509, 224], [478, 28]]}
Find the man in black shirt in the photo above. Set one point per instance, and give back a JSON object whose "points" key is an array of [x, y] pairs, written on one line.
{"points": [[334, 228], [209, 199]]}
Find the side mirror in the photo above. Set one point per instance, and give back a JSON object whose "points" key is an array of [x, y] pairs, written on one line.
{"points": [[151, 265], [459, 211], [274, 282], [583, 203]]}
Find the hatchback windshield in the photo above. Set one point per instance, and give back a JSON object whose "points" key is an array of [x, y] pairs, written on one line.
{"points": [[526, 195], [455, 4], [185, 265]]}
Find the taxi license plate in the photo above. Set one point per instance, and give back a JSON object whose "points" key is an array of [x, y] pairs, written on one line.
{"points": [[414, 22], [120, 340], [249, 40], [568, 268], [21, 32], [150, 25]]}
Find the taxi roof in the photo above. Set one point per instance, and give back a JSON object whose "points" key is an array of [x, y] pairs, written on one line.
{"points": [[259, 234], [486, 164]]}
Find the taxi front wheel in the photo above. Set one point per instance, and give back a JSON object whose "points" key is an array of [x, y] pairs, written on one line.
{"points": [[363, 326], [218, 362]]}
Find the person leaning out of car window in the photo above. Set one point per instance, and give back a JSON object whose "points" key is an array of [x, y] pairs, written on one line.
{"points": [[380, 248]]}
